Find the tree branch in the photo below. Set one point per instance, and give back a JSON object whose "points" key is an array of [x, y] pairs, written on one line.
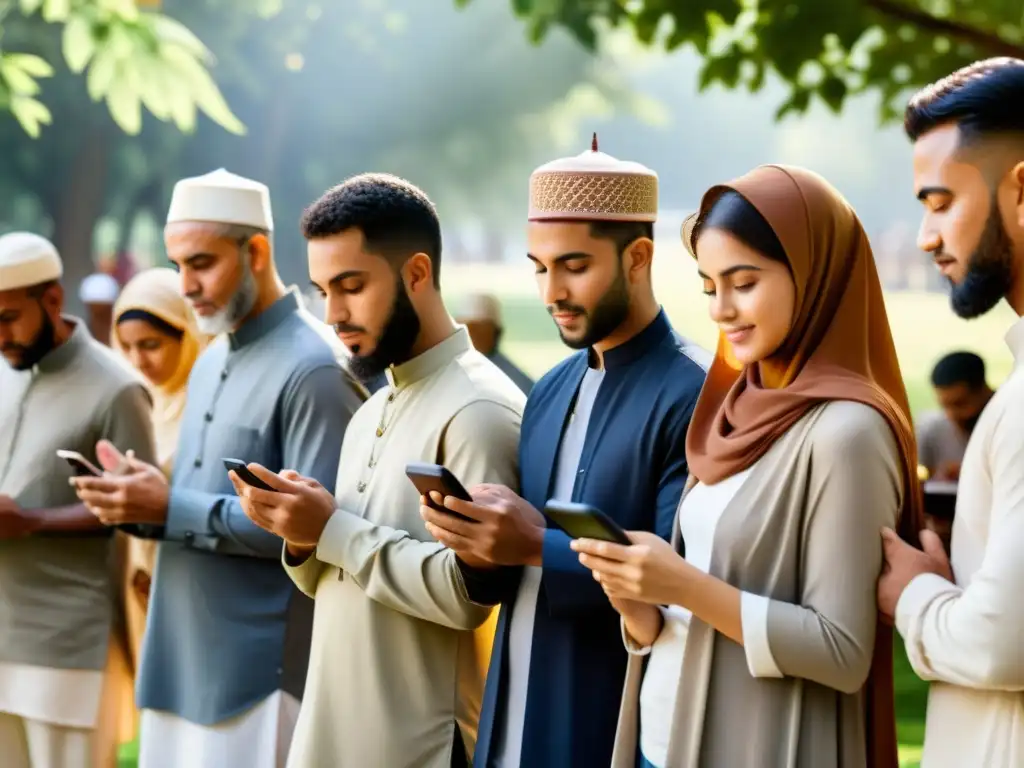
{"points": [[990, 43]]}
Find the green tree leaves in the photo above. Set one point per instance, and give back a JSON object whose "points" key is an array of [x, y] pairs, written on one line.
{"points": [[824, 49], [19, 76], [133, 60]]}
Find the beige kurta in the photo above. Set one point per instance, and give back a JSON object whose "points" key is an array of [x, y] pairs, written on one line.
{"points": [[803, 530], [396, 670], [968, 637]]}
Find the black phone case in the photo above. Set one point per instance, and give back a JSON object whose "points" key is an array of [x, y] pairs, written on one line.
{"points": [[245, 475], [581, 521]]}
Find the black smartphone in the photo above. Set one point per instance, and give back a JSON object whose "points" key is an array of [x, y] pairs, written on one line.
{"points": [[433, 477], [582, 521], [82, 466], [940, 499], [247, 477]]}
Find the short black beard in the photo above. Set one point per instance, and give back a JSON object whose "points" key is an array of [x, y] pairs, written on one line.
{"points": [[395, 343], [42, 345], [989, 275], [611, 312]]}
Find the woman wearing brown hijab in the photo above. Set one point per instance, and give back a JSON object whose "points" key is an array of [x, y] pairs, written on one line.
{"points": [[801, 449]]}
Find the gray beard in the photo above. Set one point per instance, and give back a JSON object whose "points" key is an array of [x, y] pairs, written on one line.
{"points": [[238, 308]]}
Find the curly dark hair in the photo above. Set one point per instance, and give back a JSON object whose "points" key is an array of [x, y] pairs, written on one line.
{"points": [[396, 218]]}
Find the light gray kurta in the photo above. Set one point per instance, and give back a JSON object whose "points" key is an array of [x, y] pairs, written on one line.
{"points": [[803, 531], [55, 590], [399, 651]]}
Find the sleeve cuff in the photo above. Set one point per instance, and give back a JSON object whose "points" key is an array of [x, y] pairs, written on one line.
{"points": [[188, 518], [674, 619], [754, 621], [557, 554], [632, 648], [338, 545], [915, 599]]}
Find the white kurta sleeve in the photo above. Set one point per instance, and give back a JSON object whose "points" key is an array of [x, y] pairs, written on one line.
{"points": [[422, 578], [974, 637]]}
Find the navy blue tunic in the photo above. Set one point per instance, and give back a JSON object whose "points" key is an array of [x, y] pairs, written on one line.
{"points": [[633, 468]]}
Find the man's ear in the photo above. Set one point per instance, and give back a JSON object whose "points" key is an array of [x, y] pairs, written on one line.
{"points": [[638, 256], [1017, 174], [418, 272], [53, 300], [259, 253]]}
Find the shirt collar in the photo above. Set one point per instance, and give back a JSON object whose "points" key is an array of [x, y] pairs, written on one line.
{"points": [[57, 359], [1015, 341], [431, 361], [256, 328], [632, 350]]}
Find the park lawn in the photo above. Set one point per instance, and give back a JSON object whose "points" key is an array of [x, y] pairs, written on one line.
{"points": [[923, 328]]}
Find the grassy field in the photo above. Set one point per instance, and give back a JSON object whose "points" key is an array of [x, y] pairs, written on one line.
{"points": [[923, 327]]}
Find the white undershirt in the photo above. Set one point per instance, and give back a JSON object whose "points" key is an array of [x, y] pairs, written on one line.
{"points": [[520, 635], [698, 521]]}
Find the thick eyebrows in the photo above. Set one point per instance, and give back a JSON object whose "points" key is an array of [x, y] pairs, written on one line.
{"points": [[925, 192], [732, 271], [571, 256]]}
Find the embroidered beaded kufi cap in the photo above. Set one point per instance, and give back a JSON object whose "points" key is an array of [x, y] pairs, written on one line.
{"points": [[593, 186]]}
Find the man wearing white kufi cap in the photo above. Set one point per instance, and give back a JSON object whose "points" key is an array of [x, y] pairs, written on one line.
{"points": [[224, 655], [606, 428], [98, 292], [481, 314], [60, 390]]}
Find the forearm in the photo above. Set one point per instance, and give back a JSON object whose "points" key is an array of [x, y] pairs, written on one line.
{"points": [[74, 518], [303, 568], [710, 599], [216, 523], [643, 624], [419, 579], [967, 637]]}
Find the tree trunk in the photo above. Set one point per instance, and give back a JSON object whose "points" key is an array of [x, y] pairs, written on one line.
{"points": [[79, 207]]}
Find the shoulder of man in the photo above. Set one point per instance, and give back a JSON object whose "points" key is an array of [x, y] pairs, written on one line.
{"points": [[692, 351], [476, 378], [109, 371]]}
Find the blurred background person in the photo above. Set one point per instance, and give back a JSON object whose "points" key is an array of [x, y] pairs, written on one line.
{"points": [[481, 314], [98, 292], [962, 390]]}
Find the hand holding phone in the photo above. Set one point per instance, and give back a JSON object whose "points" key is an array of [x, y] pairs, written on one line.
{"points": [[582, 521], [242, 470], [433, 477]]}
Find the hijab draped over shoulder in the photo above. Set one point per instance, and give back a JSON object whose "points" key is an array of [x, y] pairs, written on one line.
{"points": [[156, 292], [839, 348]]}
